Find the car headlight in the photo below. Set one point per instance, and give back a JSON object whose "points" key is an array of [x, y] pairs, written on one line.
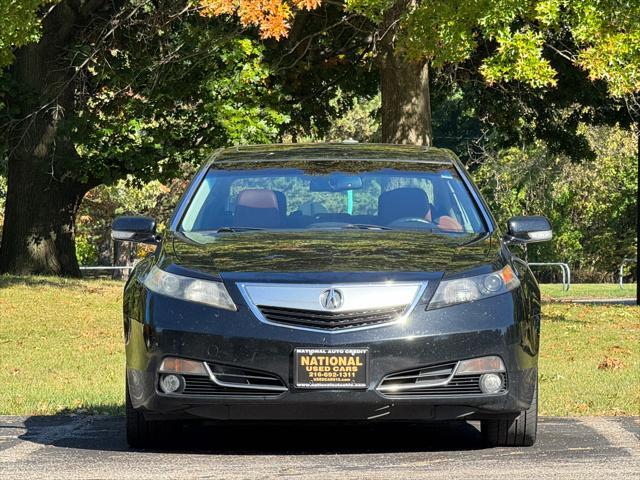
{"points": [[190, 289], [468, 289]]}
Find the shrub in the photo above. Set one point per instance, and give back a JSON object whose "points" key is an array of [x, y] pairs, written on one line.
{"points": [[591, 204], [86, 251]]}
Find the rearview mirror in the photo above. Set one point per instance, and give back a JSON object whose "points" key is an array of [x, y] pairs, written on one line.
{"points": [[336, 182], [528, 229], [134, 229]]}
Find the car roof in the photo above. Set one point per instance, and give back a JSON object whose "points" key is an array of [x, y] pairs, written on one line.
{"points": [[334, 151]]}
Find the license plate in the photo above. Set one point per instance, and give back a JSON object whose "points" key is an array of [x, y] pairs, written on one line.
{"points": [[331, 367]]}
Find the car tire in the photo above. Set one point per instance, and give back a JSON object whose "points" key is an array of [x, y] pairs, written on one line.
{"points": [[520, 431], [142, 433]]}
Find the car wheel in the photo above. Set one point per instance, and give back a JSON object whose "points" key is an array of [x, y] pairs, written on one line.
{"points": [[142, 433], [517, 431]]}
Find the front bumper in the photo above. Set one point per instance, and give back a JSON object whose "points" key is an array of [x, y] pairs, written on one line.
{"points": [[494, 326]]}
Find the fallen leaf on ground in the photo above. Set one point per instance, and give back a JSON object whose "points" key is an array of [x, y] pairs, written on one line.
{"points": [[610, 363]]}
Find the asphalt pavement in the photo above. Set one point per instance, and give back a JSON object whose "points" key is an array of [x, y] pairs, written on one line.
{"points": [[88, 447]]}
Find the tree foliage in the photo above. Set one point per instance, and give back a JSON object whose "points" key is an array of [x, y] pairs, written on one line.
{"points": [[217, 91], [166, 86], [272, 17], [591, 204], [606, 33], [475, 118], [361, 122], [20, 25]]}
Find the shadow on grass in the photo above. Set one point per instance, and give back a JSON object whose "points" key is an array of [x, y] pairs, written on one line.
{"points": [[601, 301], [107, 409], [107, 433], [7, 281], [560, 318]]}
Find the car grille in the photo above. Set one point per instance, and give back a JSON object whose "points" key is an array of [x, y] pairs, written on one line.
{"points": [[236, 382], [330, 320], [435, 381]]}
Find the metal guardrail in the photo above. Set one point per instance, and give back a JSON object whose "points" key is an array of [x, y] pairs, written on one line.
{"points": [[99, 267], [566, 272], [621, 269]]}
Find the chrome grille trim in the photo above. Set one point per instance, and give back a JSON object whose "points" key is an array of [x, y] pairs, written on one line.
{"points": [[222, 380], [404, 309], [418, 378], [252, 384], [434, 381]]}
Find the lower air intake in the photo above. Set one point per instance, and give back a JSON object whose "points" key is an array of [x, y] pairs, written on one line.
{"points": [[434, 381], [232, 381]]}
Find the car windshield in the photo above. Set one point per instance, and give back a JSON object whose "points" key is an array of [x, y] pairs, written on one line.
{"points": [[341, 194]]}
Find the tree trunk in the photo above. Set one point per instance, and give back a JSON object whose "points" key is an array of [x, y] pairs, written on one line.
{"points": [[43, 193], [406, 105], [39, 225]]}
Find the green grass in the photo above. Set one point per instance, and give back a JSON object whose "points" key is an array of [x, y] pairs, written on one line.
{"points": [[590, 360], [61, 351], [552, 291], [61, 345]]}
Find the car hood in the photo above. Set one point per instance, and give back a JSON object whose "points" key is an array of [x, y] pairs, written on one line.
{"points": [[329, 251]]}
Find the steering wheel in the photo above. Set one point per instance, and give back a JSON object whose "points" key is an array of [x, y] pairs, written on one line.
{"points": [[412, 222]]}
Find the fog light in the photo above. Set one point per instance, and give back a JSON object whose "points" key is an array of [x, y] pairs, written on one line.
{"points": [[170, 383], [490, 383]]}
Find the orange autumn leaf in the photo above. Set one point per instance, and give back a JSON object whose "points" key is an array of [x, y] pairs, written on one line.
{"points": [[307, 4], [272, 17], [212, 8]]}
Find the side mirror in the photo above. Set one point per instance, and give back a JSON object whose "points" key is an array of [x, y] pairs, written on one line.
{"points": [[134, 229], [528, 230]]}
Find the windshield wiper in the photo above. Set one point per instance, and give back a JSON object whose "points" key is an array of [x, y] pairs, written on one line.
{"points": [[353, 226], [365, 226], [236, 229]]}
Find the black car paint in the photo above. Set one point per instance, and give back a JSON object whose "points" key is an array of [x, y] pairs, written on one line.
{"points": [[506, 325], [330, 251]]}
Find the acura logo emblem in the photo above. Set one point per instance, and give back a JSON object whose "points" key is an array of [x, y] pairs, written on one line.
{"points": [[331, 299]]}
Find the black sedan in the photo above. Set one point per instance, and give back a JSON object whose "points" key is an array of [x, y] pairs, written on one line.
{"points": [[332, 282]]}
